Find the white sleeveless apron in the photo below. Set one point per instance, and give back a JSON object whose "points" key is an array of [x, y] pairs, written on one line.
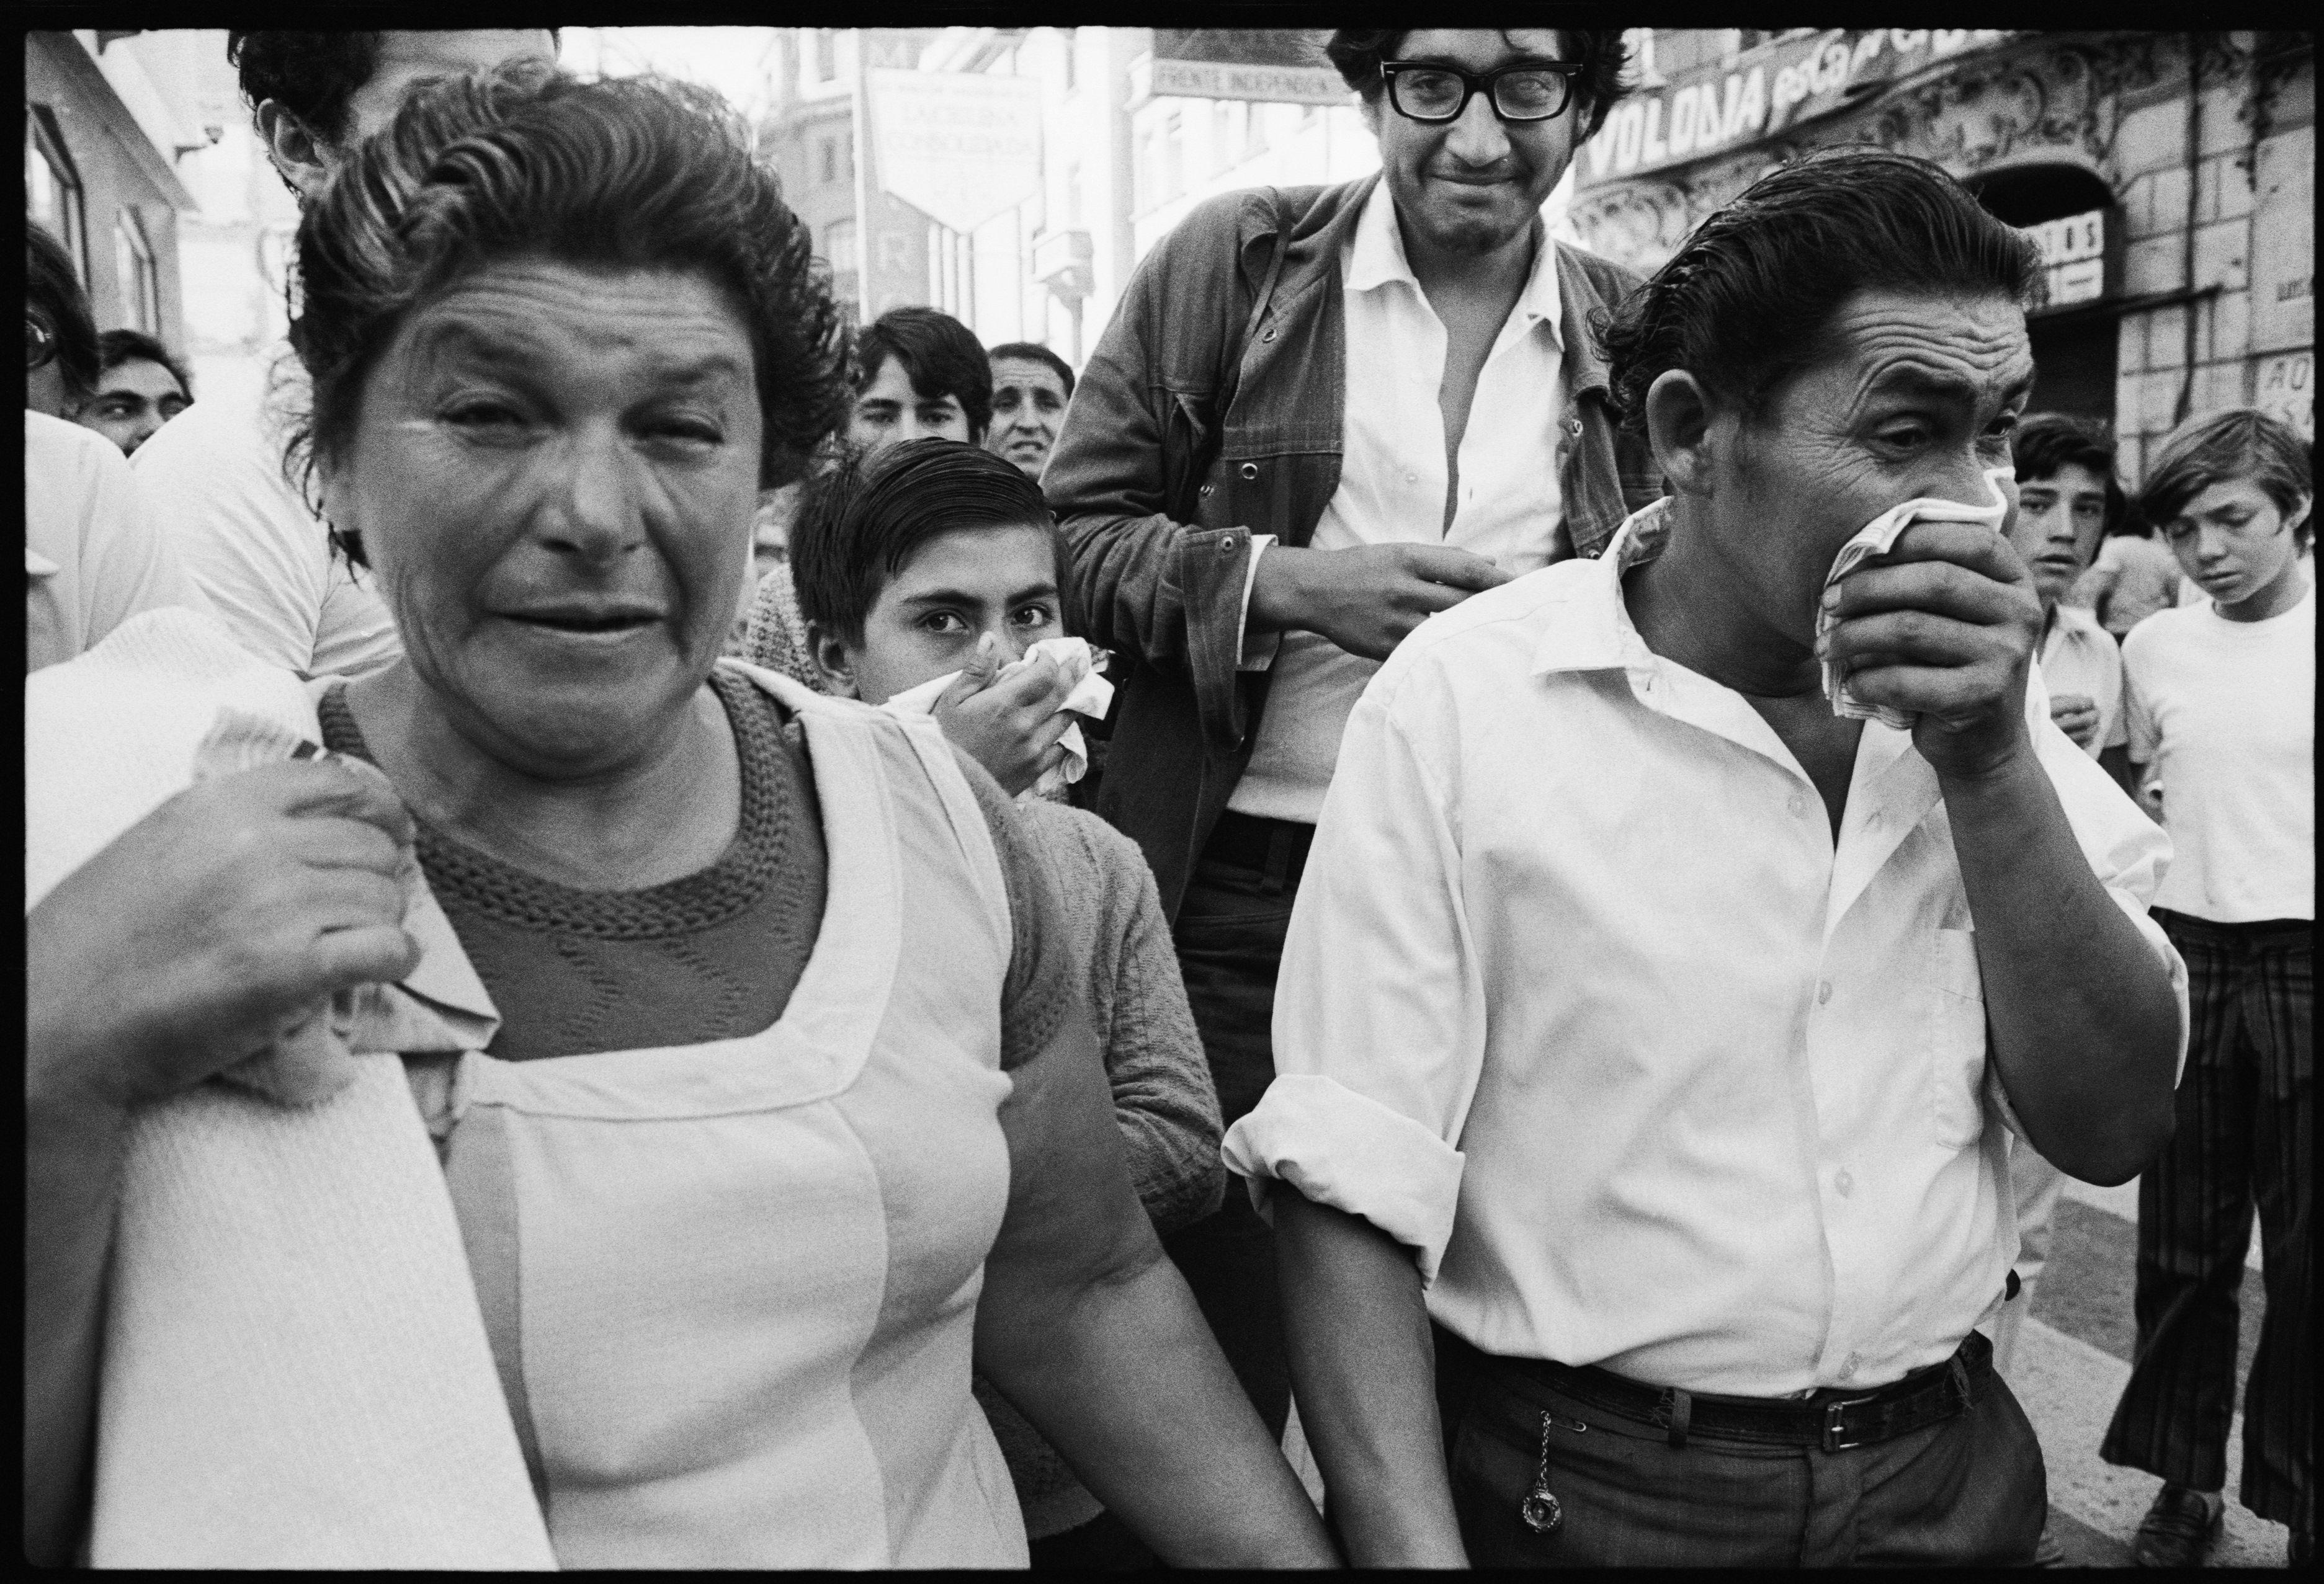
{"points": [[730, 1286]]}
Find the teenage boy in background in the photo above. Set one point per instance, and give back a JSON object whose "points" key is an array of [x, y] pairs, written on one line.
{"points": [[2223, 714]]}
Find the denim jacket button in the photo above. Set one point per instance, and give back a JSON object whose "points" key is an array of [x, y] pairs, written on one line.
{"points": [[1572, 426], [1249, 470], [1226, 545], [1206, 489], [1267, 335]]}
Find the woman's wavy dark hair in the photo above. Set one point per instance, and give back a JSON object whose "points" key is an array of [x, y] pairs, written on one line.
{"points": [[1744, 300], [628, 173], [1358, 52]]}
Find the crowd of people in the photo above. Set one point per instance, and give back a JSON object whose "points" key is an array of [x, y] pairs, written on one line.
{"points": [[661, 933]]}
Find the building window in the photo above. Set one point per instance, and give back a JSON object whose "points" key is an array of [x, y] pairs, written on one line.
{"points": [[52, 191], [827, 54], [139, 275], [829, 151], [839, 251]]}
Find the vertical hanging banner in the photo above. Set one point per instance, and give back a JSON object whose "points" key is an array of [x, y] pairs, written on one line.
{"points": [[962, 148], [1278, 65]]}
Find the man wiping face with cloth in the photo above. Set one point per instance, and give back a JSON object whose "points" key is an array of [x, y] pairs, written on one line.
{"points": [[1686, 932]]}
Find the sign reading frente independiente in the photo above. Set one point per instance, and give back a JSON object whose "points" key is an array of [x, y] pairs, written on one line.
{"points": [[962, 148], [1276, 65], [1775, 87]]}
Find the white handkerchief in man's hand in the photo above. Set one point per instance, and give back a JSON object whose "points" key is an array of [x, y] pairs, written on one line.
{"points": [[1874, 539], [1091, 695]]}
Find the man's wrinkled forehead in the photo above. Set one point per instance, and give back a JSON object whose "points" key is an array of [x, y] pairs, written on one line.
{"points": [[1913, 345]]}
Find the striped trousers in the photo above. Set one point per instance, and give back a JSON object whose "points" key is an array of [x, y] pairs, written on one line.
{"points": [[2246, 1138]]}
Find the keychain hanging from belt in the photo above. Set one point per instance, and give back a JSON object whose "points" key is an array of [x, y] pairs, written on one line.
{"points": [[1541, 1510]]}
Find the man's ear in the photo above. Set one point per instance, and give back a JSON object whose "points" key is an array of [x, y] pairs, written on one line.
{"points": [[297, 152], [834, 659], [1679, 427]]}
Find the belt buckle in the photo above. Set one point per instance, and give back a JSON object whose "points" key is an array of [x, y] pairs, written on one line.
{"points": [[1835, 1438]]}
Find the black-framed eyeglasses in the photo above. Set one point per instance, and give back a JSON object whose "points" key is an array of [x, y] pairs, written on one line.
{"points": [[40, 344], [1423, 91]]}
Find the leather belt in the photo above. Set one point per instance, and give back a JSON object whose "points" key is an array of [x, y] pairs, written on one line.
{"points": [[1831, 1419], [1251, 841]]}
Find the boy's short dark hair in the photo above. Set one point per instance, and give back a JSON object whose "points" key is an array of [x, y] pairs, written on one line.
{"points": [[1358, 52], [116, 347], [52, 286], [2222, 447], [862, 522], [1034, 352], [939, 355], [2045, 442]]}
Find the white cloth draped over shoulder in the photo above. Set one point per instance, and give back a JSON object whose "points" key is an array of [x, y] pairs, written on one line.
{"points": [[295, 1371]]}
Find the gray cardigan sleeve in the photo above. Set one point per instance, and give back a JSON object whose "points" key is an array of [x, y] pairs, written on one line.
{"points": [[1163, 1097]]}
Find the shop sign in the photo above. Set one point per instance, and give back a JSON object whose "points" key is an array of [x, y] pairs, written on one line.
{"points": [[962, 147], [1778, 86], [2073, 257], [2287, 388], [1279, 65]]}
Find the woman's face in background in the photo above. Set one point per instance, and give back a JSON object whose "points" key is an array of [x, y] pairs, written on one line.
{"points": [[554, 471]]}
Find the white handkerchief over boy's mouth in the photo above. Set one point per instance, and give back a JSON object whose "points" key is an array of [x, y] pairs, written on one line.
{"points": [[1090, 697], [1875, 540]]}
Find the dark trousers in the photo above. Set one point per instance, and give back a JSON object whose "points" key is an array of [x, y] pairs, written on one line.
{"points": [[1230, 935], [2246, 1138], [1967, 1491]]}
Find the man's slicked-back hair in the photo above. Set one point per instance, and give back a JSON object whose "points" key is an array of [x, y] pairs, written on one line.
{"points": [[51, 284], [862, 522], [116, 347], [2045, 442], [1034, 352], [1358, 52], [939, 355], [2233, 444], [1745, 301], [314, 76], [630, 174]]}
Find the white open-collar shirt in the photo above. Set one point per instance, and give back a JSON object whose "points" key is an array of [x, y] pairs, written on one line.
{"points": [[1583, 1002], [1393, 478]]}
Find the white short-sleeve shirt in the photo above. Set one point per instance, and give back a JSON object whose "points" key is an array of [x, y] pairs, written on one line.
{"points": [[214, 476], [93, 557]]}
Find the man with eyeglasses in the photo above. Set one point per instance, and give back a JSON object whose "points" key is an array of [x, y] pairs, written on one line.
{"points": [[1318, 416]]}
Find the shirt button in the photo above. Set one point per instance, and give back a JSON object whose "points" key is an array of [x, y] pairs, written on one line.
{"points": [[1412, 478], [1798, 805], [1823, 991], [1845, 1183], [1847, 1365]]}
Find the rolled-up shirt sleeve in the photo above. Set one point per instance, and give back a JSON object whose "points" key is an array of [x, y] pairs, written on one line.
{"points": [[1380, 1009]]}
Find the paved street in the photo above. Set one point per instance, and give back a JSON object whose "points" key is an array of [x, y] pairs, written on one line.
{"points": [[2073, 1357]]}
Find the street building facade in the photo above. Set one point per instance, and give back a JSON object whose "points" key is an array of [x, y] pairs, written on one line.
{"points": [[107, 116], [2169, 178]]}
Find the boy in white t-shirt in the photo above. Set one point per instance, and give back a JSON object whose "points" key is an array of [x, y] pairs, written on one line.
{"points": [[2222, 712]]}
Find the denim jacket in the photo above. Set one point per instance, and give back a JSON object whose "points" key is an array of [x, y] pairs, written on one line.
{"points": [[1168, 594]]}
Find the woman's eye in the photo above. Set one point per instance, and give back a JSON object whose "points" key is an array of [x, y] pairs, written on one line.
{"points": [[484, 415]]}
